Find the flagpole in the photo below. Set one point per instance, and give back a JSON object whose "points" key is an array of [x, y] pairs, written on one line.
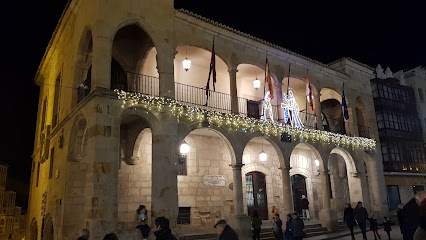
{"points": [[264, 87], [341, 108]]}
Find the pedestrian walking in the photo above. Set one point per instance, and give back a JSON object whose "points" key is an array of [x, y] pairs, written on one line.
{"points": [[374, 227], [274, 212], [256, 223], [278, 227], [361, 215], [348, 218], [411, 215], [85, 234], [142, 221], [288, 234], [224, 231], [387, 226], [298, 227], [420, 233], [304, 204], [162, 229]]}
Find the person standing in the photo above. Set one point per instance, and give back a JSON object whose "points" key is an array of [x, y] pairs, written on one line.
{"points": [[420, 233], [278, 227], [387, 226], [348, 218], [298, 227], [256, 223], [274, 212], [224, 231], [411, 215], [288, 234], [374, 226], [110, 236], [142, 221], [400, 217], [304, 204], [85, 234], [361, 215], [162, 229]]}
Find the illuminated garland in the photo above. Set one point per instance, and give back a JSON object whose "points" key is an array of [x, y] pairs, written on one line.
{"points": [[241, 123]]}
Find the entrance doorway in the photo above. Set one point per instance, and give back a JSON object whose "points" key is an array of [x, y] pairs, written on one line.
{"points": [[256, 194], [298, 186]]}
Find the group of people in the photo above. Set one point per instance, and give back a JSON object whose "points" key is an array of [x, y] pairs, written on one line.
{"points": [[411, 218], [294, 228]]}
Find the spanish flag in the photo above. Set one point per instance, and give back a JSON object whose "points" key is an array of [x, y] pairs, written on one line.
{"points": [[268, 80], [309, 95]]}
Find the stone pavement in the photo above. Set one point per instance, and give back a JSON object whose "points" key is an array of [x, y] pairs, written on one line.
{"points": [[346, 235]]}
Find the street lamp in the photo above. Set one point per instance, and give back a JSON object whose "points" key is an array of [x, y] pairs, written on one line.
{"points": [[186, 62], [184, 148], [256, 83]]}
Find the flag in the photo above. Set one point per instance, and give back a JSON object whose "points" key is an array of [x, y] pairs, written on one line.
{"points": [[212, 72], [309, 95], [268, 80], [345, 107]]}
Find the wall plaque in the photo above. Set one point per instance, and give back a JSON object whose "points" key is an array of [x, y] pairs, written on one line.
{"points": [[214, 180]]}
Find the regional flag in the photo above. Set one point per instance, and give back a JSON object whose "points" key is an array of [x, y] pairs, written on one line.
{"points": [[268, 79], [345, 107], [212, 72], [309, 94]]}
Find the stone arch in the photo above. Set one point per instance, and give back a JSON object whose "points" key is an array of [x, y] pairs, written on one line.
{"points": [[284, 161], [33, 232], [200, 59], [83, 66], [210, 156], [78, 140], [331, 107], [48, 231], [131, 45]]}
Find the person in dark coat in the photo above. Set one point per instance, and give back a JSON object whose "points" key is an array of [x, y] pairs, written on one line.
{"points": [[361, 215], [387, 226], [348, 218], [298, 227], [374, 227], [162, 230], [278, 227], [304, 205], [110, 236], [400, 217], [411, 215], [256, 223], [85, 234], [288, 234], [420, 233], [224, 231]]}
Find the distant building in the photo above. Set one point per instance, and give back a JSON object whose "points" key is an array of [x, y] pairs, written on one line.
{"points": [[12, 222], [399, 105]]}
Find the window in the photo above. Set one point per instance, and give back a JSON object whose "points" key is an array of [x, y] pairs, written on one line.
{"points": [[393, 197], [38, 173], [249, 191], [182, 165], [52, 151], [43, 116], [56, 101], [421, 94]]}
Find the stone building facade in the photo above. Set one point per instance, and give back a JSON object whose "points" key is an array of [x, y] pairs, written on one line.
{"points": [[100, 153]]}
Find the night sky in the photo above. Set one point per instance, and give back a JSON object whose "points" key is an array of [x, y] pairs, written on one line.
{"points": [[392, 33]]}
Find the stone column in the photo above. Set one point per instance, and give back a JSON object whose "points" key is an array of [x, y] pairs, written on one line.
{"points": [[239, 221], [101, 61], [164, 176], [279, 96], [317, 106], [165, 58], [328, 217], [287, 195], [376, 182], [233, 89]]}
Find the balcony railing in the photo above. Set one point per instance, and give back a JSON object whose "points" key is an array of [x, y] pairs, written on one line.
{"points": [[144, 84], [363, 131], [404, 167], [338, 126], [309, 120]]}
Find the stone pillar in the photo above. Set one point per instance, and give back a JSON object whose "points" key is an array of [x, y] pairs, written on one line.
{"points": [[101, 61], [287, 195], [165, 58], [233, 89], [239, 221], [164, 176], [317, 106], [376, 182], [354, 129], [279, 96], [328, 217]]}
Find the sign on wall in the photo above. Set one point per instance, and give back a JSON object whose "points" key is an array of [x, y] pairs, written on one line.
{"points": [[214, 180]]}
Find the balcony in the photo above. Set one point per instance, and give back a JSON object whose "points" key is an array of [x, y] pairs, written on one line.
{"points": [[221, 102], [408, 167]]}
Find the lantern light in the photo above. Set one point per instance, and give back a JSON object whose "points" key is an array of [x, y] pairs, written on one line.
{"points": [[256, 83], [184, 148], [186, 62], [263, 157]]}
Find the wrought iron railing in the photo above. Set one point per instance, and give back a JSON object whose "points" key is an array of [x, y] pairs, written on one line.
{"points": [[309, 120], [338, 126], [144, 84], [363, 131]]}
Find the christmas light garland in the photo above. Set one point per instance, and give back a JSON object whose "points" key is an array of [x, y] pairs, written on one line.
{"points": [[242, 123]]}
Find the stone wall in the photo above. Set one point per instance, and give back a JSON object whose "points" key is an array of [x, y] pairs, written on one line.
{"points": [[339, 184]]}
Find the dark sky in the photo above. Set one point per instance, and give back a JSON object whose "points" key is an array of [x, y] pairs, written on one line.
{"points": [[392, 33]]}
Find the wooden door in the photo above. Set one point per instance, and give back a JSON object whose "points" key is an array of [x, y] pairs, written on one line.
{"points": [[256, 194], [253, 109], [298, 185]]}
